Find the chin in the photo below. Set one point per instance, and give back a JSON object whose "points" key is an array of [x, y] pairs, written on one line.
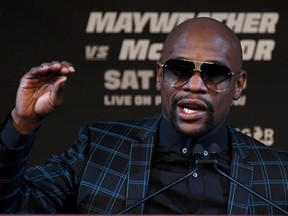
{"points": [[192, 129]]}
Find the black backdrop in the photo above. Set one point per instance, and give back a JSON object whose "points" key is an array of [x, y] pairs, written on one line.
{"points": [[114, 45]]}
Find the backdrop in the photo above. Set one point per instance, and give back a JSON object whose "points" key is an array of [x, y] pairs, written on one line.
{"points": [[114, 46]]}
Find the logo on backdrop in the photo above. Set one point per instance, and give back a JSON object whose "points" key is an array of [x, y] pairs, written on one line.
{"points": [[264, 135]]}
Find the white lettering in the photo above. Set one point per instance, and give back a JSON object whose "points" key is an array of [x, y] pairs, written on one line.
{"points": [[140, 50], [98, 23], [112, 79], [157, 100], [130, 79], [264, 50], [141, 21], [124, 23], [164, 22], [268, 23], [264, 135], [118, 100], [132, 50], [145, 77], [222, 17], [248, 47], [96, 52], [260, 50], [235, 21], [142, 100], [251, 23]]}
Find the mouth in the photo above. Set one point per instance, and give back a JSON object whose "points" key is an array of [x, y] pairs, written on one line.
{"points": [[191, 109]]}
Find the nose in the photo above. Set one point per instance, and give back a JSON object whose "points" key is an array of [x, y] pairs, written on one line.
{"points": [[195, 83]]}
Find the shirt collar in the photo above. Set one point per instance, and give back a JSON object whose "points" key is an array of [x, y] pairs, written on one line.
{"points": [[175, 141]]}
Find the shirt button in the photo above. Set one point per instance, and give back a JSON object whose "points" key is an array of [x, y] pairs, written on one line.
{"points": [[195, 175], [184, 150]]}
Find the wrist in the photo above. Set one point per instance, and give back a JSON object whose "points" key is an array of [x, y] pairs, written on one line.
{"points": [[24, 125]]}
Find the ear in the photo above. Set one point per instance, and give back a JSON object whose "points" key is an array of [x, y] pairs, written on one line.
{"points": [[240, 84], [159, 76]]}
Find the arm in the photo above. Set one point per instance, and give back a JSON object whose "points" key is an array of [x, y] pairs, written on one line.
{"points": [[39, 93], [49, 188]]}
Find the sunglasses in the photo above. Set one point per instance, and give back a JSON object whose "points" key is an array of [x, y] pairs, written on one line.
{"points": [[177, 72]]}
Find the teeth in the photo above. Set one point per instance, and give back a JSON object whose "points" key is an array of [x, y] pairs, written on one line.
{"points": [[188, 111]]}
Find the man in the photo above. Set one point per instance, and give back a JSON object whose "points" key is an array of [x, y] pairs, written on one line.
{"points": [[114, 165]]}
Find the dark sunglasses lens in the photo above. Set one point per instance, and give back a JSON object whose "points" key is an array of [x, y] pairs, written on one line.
{"points": [[215, 73], [177, 72]]}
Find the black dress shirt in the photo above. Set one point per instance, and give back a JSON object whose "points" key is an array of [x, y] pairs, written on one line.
{"points": [[11, 137], [205, 192]]}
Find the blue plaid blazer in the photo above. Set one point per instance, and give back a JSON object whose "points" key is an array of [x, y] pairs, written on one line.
{"points": [[107, 170]]}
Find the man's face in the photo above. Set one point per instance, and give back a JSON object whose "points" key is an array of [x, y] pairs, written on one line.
{"points": [[193, 108]]}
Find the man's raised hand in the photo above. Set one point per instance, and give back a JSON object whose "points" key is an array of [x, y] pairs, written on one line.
{"points": [[39, 93]]}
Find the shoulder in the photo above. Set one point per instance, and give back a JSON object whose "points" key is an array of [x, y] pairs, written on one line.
{"points": [[123, 129], [145, 123]]}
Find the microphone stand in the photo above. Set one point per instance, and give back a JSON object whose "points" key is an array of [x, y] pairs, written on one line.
{"points": [[246, 188], [214, 150], [161, 190], [197, 154]]}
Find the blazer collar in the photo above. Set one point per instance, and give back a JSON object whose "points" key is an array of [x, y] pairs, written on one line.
{"points": [[241, 171], [139, 163]]}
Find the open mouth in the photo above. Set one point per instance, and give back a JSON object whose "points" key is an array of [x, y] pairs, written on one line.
{"points": [[191, 109]]}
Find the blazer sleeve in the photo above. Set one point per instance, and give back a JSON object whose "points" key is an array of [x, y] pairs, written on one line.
{"points": [[40, 189], [14, 150]]}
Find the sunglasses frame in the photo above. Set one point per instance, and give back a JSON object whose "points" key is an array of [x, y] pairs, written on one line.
{"points": [[197, 65]]}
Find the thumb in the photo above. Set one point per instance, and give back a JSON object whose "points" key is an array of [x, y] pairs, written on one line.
{"points": [[57, 91]]}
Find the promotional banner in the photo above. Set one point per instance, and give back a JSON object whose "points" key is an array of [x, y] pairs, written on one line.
{"points": [[114, 46]]}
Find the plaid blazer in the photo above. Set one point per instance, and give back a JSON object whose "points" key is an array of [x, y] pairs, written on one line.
{"points": [[107, 170]]}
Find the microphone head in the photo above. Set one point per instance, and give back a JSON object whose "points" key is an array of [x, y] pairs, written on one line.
{"points": [[198, 151], [214, 150]]}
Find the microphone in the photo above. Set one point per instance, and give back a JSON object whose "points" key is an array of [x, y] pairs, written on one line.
{"points": [[214, 150], [197, 153]]}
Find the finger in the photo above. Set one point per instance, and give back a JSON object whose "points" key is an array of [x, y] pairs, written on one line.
{"points": [[54, 67], [45, 68], [66, 63], [63, 68], [67, 67]]}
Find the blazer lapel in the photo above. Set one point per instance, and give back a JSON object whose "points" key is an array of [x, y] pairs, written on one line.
{"points": [[242, 172], [139, 165]]}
